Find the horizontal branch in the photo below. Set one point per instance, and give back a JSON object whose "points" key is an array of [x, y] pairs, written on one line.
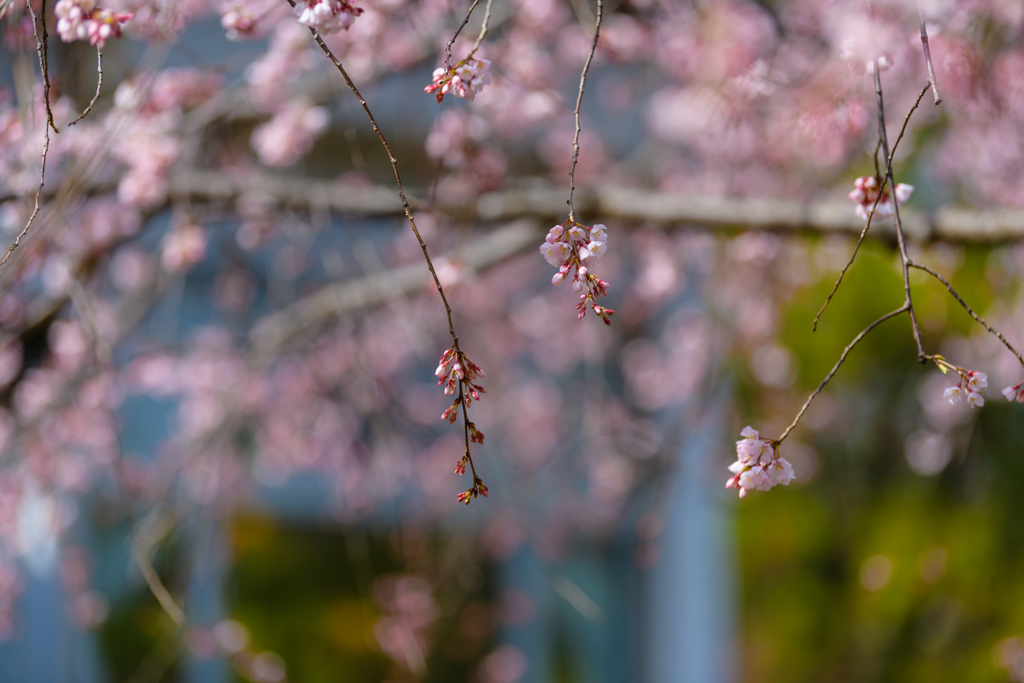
{"points": [[279, 332], [826, 216]]}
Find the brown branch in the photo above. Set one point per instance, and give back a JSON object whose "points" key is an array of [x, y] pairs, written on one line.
{"points": [[483, 29], [881, 189], [401, 190], [295, 324], [394, 168], [900, 239], [448, 48], [928, 56], [42, 49], [99, 84], [41, 53], [627, 205], [579, 100], [970, 311], [835, 368]]}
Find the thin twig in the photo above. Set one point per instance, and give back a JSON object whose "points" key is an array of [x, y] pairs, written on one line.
{"points": [[881, 189], [483, 29], [579, 99], [41, 53], [928, 56], [44, 60], [141, 548], [448, 48], [398, 181], [969, 310], [99, 84], [900, 239], [835, 368]]}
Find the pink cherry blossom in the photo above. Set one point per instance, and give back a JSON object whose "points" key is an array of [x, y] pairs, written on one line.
{"points": [[758, 466], [327, 16], [466, 79], [866, 192]]}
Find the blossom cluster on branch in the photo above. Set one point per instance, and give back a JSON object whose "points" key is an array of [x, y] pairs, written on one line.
{"points": [[83, 20], [758, 465], [572, 247]]}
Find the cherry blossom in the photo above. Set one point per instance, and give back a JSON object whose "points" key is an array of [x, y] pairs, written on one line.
{"points": [[465, 79], [83, 20], [327, 16], [866, 192], [758, 465], [571, 248], [1014, 393], [970, 385]]}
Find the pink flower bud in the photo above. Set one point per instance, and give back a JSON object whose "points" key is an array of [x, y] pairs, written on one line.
{"points": [[557, 279]]}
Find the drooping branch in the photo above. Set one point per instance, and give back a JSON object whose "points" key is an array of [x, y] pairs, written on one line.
{"points": [[43, 68], [871, 214], [458, 355], [835, 368], [576, 111], [970, 311], [448, 47], [99, 85], [928, 55]]}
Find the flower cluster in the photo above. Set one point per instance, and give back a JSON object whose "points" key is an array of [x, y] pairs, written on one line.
{"points": [[573, 247], [477, 489], [971, 383], [866, 192], [457, 373], [758, 466], [327, 16], [83, 20], [465, 79]]}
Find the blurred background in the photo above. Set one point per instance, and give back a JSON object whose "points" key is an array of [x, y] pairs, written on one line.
{"points": [[221, 453]]}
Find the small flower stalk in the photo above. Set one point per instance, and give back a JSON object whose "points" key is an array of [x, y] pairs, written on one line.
{"points": [[968, 388], [758, 465], [460, 377], [466, 79], [573, 248], [866, 189]]}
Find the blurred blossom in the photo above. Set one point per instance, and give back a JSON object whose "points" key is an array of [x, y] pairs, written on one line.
{"points": [[232, 636], [264, 667], [875, 572], [507, 664], [773, 366], [517, 607], [183, 247], [1008, 654], [928, 452], [88, 610], [132, 269], [933, 564]]}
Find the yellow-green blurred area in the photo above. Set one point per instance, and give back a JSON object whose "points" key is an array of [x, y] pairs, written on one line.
{"points": [[314, 598], [872, 571]]}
